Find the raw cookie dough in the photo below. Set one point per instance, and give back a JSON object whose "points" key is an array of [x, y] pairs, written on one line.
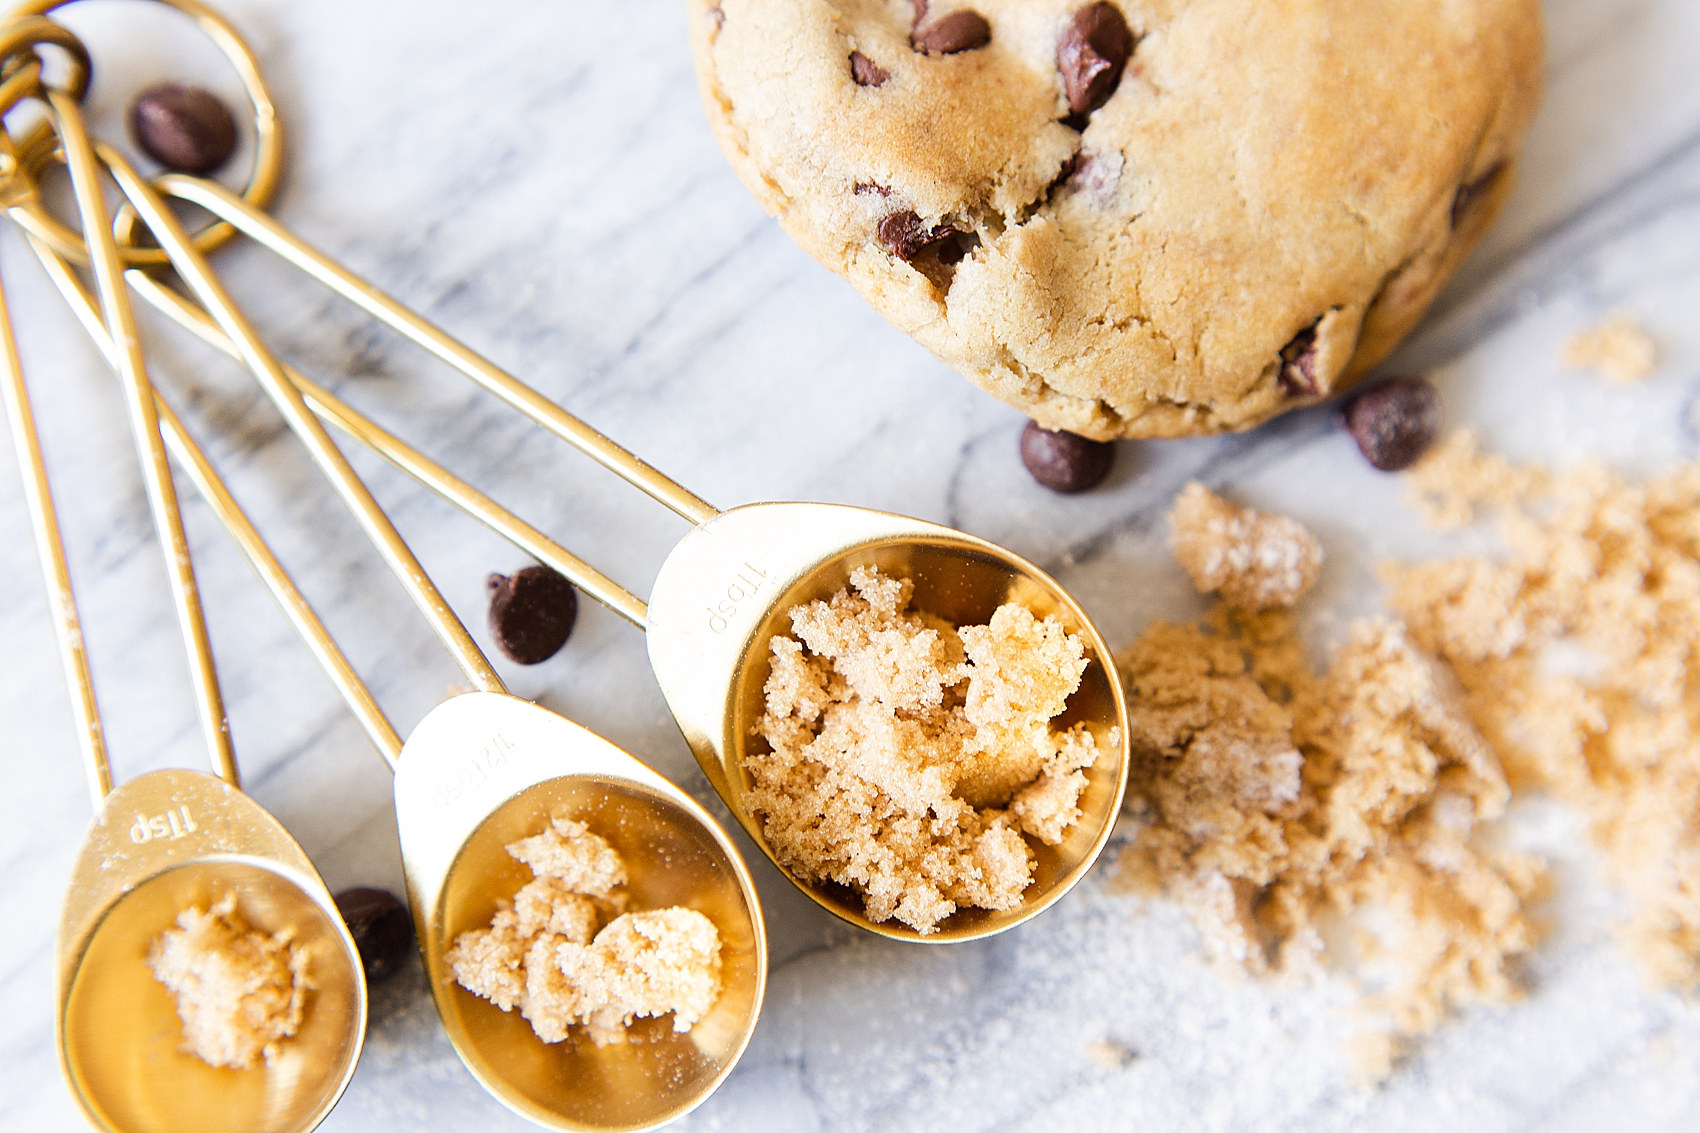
{"points": [[544, 954], [1579, 649], [1254, 560], [239, 992], [1274, 800], [908, 756], [1264, 206]]}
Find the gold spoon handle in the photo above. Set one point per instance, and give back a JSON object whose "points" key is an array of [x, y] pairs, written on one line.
{"points": [[144, 425], [193, 268], [61, 601], [212, 489], [410, 460], [263, 229]]}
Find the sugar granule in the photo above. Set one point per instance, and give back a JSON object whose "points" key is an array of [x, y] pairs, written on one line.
{"points": [[1254, 560], [1618, 349], [1577, 650], [1275, 800], [239, 992], [907, 757], [544, 954]]}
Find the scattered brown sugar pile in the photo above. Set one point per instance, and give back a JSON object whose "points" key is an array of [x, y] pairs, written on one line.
{"points": [[1618, 349], [1253, 559], [543, 953], [239, 992], [1277, 800], [908, 756], [1578, 654]]}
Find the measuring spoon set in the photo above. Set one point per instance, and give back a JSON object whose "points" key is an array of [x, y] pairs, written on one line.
{"points": [[484, 767]]}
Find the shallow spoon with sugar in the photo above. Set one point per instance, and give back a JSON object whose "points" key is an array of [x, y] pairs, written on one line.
{"points": [[726, 589], [170, 839]]}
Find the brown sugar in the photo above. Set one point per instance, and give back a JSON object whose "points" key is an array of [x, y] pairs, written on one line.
{"points": [[1254, 560], [239, 992], [544, 954], [1577, 651], [1278, 801], [1618, 349], [908, 756]]}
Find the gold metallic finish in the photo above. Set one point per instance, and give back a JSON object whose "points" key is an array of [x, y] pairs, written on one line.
{"points": [[61, 600], [192, 266], [410, 460], [264, 230], [162, 842], [230, 515], [144, 424], [33, 216]]}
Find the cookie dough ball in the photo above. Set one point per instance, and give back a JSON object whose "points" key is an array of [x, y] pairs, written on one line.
{"points": [[1139, 218]]}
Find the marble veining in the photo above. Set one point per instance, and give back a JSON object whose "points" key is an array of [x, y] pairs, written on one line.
{"points": [[538, 177]]}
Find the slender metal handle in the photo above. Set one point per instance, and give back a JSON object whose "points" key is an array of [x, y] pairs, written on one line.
{"points": [[235, 521], [193, 268], [263, 229], [144, 424], [410, 460], [61, 602]]}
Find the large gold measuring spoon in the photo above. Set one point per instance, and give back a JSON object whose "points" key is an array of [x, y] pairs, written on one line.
{"points": [[169, 839]]}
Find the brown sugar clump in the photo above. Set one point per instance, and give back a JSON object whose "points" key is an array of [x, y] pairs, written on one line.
{"points": [[239, 992], [1618, 349], [1276, 799], [907, 756], [1253, 559], [544, 954], [1578, 652]]}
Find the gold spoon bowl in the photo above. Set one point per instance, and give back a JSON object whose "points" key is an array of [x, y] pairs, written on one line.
{"points": [[164, 842]]}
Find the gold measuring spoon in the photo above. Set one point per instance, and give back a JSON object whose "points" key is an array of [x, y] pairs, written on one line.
{"points": [[166, 841], [726, 589], [525, 764], [670, 857]]}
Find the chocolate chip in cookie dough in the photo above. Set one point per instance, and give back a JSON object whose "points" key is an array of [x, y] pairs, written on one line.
{"points": [[1065, 462], [184, 128], [1298, 365], [1473, 191], [531, 613], [961, 30], [909, 238], [1395, 422], [866, 72], [1093, 54], [381, 928]]}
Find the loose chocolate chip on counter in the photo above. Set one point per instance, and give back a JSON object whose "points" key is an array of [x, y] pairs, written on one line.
{"points": [[1065, 462], [1298, 365], [1395, 422], [531, 613], [381, 928], [866, 72], [184, 128], [961, 30], [1469, 194], [1092, 55]]}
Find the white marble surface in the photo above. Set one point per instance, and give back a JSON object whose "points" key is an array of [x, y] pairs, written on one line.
{"points": [[538, 177]]}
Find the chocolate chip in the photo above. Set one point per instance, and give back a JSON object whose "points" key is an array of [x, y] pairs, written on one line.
{"points": [[381, 928], [716, 16], [1395, 422], [1092, 55], [866, 72], [862, 187], [907, 237], [184, 128], [1298, 365], [1065, 462], [531, 613], [920, 7], [962, 30], [1470, 193]]}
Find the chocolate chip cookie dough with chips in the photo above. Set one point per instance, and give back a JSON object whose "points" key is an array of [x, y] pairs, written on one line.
{"points": [[1139, 217]]}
